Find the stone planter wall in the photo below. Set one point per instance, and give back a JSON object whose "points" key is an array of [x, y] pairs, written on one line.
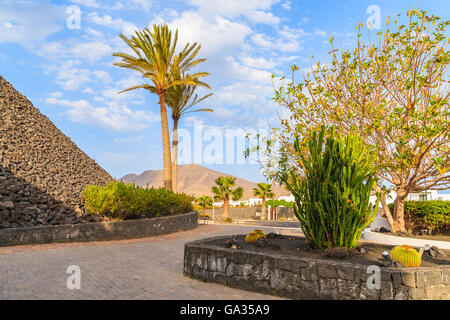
{"points": [[307, 278], [99, 230]]}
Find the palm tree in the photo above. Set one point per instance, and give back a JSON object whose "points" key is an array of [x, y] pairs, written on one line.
{"points": [[181, 100], [156, 60], [263, 191], [223, 191], [204, 201]]}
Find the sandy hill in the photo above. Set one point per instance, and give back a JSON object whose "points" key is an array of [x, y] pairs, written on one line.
{"points": [[196, 180]]}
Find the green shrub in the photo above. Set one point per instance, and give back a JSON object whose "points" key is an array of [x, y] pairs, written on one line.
{"points": [[120, 200], [435, 215], [284, 203], [332, 199]]}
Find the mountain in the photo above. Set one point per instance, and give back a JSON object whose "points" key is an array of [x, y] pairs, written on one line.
{"points": [[196, 180]]}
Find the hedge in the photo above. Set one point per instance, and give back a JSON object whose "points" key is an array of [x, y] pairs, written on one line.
{"points": [[119, 200], [435, 214], [284, 203]]}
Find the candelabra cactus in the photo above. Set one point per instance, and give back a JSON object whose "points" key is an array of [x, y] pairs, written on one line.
{"points": [[332, 198], [407, 256]]}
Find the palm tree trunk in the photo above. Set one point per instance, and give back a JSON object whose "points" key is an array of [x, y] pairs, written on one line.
{"points": [[174, 155], [226, 205], [263, 209], [167, 171]]}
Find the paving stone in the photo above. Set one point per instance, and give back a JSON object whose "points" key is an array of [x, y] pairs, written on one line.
{"points": [[149, 268]]}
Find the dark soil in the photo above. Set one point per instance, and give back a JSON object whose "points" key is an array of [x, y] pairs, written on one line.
{"points": [[296, 246]]}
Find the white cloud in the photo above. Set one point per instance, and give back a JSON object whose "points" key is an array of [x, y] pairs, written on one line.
{"points": [[251, 9], [262, 17], [87, 3], [217, 36], [130, 5], [318, 32], [102, 75], [123, 26], [128, 140], [288, 40], [304, 20], [286, 5], [69, 75], [55, 94], [91, 51], [29, 23], [248, 73], [114, 115], [260, 63]]}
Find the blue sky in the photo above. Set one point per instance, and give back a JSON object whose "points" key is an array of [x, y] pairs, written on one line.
{"points": [[68, 74]]}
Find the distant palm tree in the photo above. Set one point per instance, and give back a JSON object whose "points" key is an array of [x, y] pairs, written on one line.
{"points": [[181, 99], [204, 201], [263, 191], [223, 191], [156, 60]]}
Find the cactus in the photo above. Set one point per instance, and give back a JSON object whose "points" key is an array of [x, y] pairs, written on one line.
{"points": [[253, 236], [332, 199], [407, 256], [260, 232]]}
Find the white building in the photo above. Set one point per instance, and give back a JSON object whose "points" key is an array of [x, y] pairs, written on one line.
{"points": [[415, 196], [289, 198], [219, 204], [254, 202], [428, 195]]}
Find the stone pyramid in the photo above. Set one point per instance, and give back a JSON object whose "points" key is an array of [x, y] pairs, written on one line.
{"points": [[42, 172]]}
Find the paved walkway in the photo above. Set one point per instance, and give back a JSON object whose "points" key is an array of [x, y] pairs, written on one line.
{"points": [[149, 268]]}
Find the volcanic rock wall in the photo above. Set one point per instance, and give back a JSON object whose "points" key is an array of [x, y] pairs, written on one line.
{"points": [[42, 172]]}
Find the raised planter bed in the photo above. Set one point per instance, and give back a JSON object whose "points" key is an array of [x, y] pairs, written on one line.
{"points": [[99, 230], [304, 277]]}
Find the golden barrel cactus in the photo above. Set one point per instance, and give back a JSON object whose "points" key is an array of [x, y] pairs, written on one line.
{"points": [[260, 232], [407, 256], [253, 236]]}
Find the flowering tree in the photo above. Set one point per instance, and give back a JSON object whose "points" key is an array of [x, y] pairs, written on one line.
{"points": [[394, 94]]}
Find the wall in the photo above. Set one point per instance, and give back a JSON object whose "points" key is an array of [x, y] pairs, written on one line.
{"points": [[249, 213], [99, 231], [306, 278]]}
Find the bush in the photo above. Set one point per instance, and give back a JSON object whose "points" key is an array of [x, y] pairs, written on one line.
{"points": [[332, 199], [278, 203], [120, 200], [434, 215]]}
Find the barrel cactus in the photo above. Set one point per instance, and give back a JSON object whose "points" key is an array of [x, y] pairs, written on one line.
{"points": [[253, 236], [260, 232], [407, 256]]}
